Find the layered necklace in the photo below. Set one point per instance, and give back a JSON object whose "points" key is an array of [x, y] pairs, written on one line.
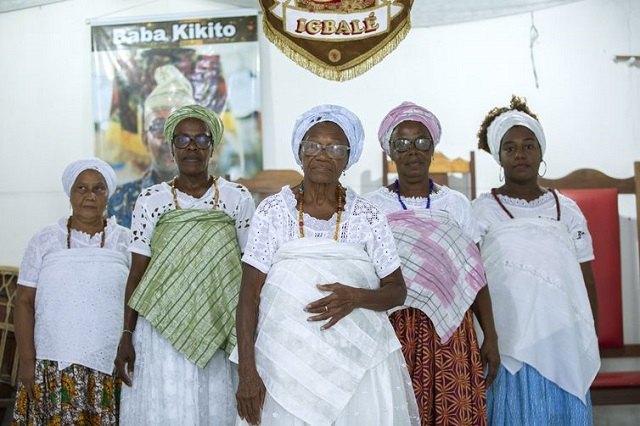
{"points": [[102, 237], [216, 195], [300, 206], [495, 195], [396, 185]]}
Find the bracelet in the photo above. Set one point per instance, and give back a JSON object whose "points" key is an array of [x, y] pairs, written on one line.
{"points": [[127, 331]]}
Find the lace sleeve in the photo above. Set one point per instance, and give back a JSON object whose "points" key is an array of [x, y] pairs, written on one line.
{"points": [[31, 263], [266, 233], [373, 230], [141, 227], [242, 215]]}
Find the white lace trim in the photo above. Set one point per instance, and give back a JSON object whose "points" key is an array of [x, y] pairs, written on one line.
{"points": [[276, 222]]}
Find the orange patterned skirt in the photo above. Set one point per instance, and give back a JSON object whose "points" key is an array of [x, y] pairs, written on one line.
{"points": [[447, 378], [77, 395]]}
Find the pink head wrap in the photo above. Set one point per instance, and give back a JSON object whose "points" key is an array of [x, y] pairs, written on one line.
{"points": [[408, 111]]}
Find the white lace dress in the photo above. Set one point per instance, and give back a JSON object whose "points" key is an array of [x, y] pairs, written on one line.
{"points": [[167, 389], [384, 396]]}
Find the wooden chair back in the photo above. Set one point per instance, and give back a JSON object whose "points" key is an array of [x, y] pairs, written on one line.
{"points": [[268, 182], [597, 196], [8, 348]]}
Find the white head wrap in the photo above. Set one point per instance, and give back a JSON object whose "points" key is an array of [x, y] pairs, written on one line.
{"points": [[348, 122], [505, 121], [173, 90], [72, 171]]}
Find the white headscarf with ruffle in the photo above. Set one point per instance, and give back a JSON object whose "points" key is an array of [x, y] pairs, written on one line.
{"points": [[348, 122], [74, 169]]}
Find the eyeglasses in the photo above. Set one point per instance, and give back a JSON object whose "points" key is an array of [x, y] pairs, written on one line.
{"points": [[183, 141], [336, 152], [404, 145], [157, 128]]}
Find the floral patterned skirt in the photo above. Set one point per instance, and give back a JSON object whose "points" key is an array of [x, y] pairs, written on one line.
{"points": [[77, 395], [447, 377]]}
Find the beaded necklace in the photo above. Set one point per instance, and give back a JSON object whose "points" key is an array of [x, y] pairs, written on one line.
{"points": [[495, 195], [300, 206], [214, 185], [396, 185], [102, 237]]}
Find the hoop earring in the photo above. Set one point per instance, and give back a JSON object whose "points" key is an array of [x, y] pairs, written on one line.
{"points": [[545, 168], [501, 174]]}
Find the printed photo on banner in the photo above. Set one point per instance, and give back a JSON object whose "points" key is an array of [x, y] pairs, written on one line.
{"points": [[144, 70]]}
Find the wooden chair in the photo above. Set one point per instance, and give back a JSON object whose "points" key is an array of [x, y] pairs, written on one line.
{"points": [[442, 171], [268, 182], [597, 196], [8, 349]]}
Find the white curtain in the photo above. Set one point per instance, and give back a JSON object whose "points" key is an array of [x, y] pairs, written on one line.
{"points": [[427, 13]]}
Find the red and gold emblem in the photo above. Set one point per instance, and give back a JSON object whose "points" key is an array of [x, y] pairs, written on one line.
{"points": [[336, 39]]}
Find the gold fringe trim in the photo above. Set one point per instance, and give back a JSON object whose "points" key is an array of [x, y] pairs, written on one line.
{"points": [[311, 63]]}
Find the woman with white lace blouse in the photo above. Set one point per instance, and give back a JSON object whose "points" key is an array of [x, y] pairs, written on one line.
{"points": [[320, 269], [536, 251], [68, 312], [182, 290]]}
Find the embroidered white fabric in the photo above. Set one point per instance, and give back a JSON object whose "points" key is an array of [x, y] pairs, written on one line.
{"points": [[488, 213], [71, 283], [234, 199], [276, 221], [373, 403], [540, 304], [169, 390], [445, 198], [53, 238], [53, 328]]}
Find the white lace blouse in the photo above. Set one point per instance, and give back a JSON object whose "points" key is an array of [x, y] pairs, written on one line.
{"points": [[445, 198], [53, 238], [275, 222], [234, 199], [489, 212]]}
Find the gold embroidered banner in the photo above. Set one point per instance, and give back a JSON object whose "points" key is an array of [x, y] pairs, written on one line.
{"points": [[336, 39]]}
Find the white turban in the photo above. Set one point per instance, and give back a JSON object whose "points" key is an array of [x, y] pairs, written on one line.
{"points": [[173, 90], [505, 121], [72, 171], [348, 122]]}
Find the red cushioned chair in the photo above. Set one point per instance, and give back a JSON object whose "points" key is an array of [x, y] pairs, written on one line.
{"points": [[597, 196]]}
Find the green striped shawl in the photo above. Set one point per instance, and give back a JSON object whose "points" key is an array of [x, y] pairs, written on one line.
{"points": [[189, 291]]}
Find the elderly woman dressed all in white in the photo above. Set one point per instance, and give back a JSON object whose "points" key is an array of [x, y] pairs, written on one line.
{"points": [[320, 269], [69, 306]]}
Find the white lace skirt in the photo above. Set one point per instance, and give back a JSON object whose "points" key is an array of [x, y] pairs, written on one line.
{"points": [[384, 397], [169, 390]]}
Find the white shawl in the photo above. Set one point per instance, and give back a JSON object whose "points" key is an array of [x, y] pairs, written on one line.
{"points": [[310, 372], [540, 304], [79, 307]]}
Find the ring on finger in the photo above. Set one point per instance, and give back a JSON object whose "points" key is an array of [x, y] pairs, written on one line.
{"points": [[326, 308]]}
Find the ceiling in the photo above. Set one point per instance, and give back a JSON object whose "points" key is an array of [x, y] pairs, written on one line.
{"points": [[424, 13]]}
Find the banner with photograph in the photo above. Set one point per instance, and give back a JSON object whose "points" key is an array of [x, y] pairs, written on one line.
{"points": [[143, 70]]}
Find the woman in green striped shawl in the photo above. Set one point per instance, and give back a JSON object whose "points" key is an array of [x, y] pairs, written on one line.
{"points": [[182, 290]]}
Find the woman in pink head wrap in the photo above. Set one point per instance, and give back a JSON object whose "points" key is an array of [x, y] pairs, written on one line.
{"points": [[436, 235]]}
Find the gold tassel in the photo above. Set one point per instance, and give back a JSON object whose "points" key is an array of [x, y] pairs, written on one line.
{"points": [[311, 63]]}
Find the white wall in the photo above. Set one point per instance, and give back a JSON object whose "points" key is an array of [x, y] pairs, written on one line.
{"points": [[588, 105]]}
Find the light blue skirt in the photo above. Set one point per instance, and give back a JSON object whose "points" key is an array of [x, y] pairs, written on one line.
{"points": [[527, 398]]}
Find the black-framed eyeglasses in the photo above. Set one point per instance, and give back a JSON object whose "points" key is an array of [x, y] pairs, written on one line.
{"points": [[404, 145], [157, 127], [183, 141], [336, 152]]}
